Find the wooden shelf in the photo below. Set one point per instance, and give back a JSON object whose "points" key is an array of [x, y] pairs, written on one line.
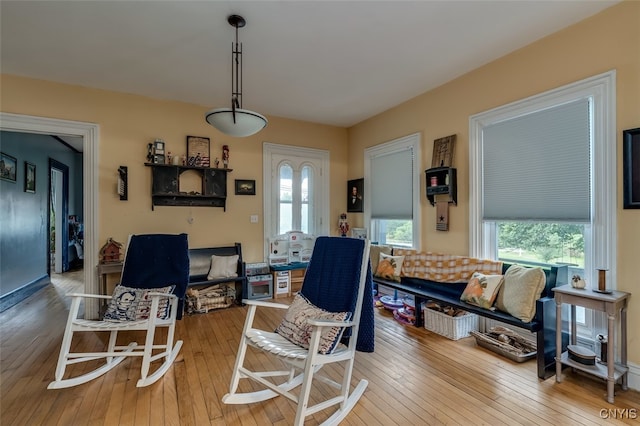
{"points": [[598, 369], [441, 181], [165, 186]]}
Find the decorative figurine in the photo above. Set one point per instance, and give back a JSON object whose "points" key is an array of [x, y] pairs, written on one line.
{"points": [[217, 162], [343, 225], [577, 282], [111, 252], [225, 156]]}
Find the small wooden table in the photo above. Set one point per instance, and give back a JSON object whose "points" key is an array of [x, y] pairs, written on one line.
{"points": [[105, 269], [612, 304]]}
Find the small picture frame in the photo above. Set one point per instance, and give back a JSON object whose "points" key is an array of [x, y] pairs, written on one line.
{"points": [[245, 187], [29, 177], [355, 196], [198, 151], [631, 168], [360, 233], [8, 167]]}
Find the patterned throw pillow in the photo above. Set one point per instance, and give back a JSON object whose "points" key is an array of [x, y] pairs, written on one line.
{"points": [[223, 267], [389, 267], [295, 329], [522, 287], [482, 290], [133, 304], [374, 254]]}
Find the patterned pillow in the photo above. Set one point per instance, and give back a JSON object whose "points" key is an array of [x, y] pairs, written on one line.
{"points": [[223, 267], [295, 329], [133, 304], [389, 267], [482, 290], [522, 287], [374, 254]]}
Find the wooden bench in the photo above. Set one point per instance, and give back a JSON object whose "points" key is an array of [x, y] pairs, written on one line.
{"points": [[543, 324], [200, 263]]}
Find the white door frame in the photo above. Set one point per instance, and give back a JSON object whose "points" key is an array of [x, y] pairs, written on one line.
{"points": [[90, 134]]}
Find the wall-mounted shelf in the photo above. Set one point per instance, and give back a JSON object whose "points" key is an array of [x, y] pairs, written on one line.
{"points": [[442, 181], [165, 186]]}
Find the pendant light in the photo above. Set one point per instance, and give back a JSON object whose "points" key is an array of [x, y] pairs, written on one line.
{"points": [[236, 121]]}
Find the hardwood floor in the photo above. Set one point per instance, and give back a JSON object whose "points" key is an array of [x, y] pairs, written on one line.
{"points": [[415, 377]]}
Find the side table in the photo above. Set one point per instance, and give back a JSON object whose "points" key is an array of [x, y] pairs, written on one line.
{"points": [[105, 269], [614, 304]]}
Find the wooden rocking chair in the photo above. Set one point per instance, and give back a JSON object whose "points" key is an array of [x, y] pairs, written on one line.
{"points": [[338, 281], [152, 289]]}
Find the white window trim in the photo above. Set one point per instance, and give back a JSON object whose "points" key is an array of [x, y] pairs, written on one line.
{"points": [[270, 187], [602, 90], [409, 141]]}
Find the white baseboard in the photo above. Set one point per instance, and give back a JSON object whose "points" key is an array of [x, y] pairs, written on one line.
{"points": [[634, 376]]}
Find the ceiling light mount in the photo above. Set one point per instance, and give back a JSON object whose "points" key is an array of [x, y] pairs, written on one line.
{"points": [[236, 121]]}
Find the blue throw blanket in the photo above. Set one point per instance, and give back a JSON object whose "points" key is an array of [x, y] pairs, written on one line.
{"points": [[158, 260], [331, 282]]}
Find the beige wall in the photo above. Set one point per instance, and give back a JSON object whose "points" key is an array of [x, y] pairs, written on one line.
{"points": [[128, 123], [607, 41], [610, 40]]}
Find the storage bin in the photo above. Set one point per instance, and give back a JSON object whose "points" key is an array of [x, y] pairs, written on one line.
{"points": [[453, 328]]}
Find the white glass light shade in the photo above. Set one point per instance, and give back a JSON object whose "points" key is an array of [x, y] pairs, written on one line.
{"points": [[247, 122]]}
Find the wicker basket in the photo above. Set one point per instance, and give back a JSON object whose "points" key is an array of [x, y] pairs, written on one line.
{"points": [[205, 299], [453, 328], [488, 341]]}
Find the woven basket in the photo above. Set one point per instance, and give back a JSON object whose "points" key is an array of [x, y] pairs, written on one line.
{"points": [[206, 299], [453, 328]]}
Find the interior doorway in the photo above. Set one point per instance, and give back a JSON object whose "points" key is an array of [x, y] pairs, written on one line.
{"points": [[58, 241], [90, 134]]}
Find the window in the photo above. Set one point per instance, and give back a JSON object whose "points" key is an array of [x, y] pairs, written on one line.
{"points": [[392, 192], [543, 182], [295, 190], [293, 198]]}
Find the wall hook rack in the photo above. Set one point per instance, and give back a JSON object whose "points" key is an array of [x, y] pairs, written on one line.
{"points": [[123, 190]]}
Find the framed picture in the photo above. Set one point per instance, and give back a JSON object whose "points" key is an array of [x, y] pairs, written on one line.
{"points": [[443, 151], [198, 151], [29, 177], [245, 187], [355, 194], [360, 233], [631, 168], [8, 166]]}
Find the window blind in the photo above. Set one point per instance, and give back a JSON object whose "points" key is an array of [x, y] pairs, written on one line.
{"points": [[537, 166], [392, 185]]}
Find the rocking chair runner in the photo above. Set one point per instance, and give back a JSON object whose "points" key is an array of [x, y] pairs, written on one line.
{"points": [[152, 262], [338, 279]]}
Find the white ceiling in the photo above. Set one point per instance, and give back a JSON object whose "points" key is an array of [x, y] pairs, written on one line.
{"points": [[331, 62]]}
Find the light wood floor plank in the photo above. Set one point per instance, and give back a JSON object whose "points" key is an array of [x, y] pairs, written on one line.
{"points": [[415, 377]]}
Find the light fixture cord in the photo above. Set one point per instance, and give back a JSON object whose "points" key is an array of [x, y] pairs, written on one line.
{"points": [[236, 76]]}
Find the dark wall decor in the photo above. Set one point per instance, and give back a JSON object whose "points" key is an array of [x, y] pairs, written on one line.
{"points": [[245, 187], [355, 195], [8, 166], [631, 168], [29, 177]]}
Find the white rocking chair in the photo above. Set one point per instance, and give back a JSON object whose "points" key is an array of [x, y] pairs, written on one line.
{"points": [[152, 262], [337, 279]]}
